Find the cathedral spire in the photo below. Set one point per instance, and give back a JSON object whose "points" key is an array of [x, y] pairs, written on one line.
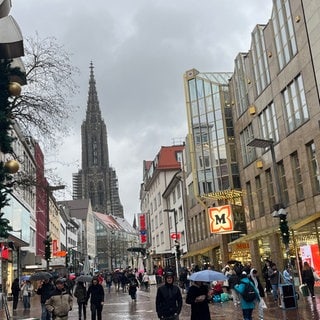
{"points": [[93, 102]]}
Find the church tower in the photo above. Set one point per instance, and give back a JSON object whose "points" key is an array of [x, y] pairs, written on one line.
{"points": [[96, 180]]}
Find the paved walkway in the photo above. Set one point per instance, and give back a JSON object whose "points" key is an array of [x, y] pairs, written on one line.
{"points": [[118, 306]]}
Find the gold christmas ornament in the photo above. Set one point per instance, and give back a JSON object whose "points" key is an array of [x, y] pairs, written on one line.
{"points": [[14, 89], [12, 166]]}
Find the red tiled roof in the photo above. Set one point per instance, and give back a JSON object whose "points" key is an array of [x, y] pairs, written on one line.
{"points": [[167, 157]]}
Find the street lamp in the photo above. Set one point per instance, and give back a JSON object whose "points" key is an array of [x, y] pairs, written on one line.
{"points": [[279, 210], [177, 246]]}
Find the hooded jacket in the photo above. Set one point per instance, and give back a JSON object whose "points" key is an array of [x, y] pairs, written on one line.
{"points": [[96, 292], [168, 300], [256, 281], [60, 303], [240, 289]]}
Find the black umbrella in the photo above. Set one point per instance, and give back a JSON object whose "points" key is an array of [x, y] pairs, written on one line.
{"points": [[42, 275], [233, 262]]}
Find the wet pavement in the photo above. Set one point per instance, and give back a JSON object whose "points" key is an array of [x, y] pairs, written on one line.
{"points": [[119, 306]]}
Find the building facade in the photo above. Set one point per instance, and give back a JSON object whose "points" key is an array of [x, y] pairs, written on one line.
{"points": [[277, 115]]}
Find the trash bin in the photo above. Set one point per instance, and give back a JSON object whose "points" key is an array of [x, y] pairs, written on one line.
{"points": [[288, 298]]}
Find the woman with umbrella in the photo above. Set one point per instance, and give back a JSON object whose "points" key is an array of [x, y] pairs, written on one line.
{"points": [[198, 297]]}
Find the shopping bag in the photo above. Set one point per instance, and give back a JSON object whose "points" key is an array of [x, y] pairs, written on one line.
{"points": [[262, 304], [304, 290]]}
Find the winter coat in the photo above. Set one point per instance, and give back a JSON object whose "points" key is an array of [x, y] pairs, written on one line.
{"points": [[168, 300], [59, 304], [15, 288], [80, 293], [96, 294], [199, 310], [45, 291], [307, 276], [240, 289]]}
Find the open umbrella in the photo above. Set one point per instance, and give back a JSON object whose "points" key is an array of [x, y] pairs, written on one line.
{"points": [[42, 275], [207, 276], [24, 278], [84, 278]]}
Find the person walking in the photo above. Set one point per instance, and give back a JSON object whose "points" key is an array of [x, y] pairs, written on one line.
{"points": [[26, 291], [168, 299], [197, 296], [256, 281], [80, 293], [60, 301], [133, 285], [15, 290], [108, 280], [274, 277], [96, 295], [145, 281], [308, 277], [233, 280], [246, 306], [44, 290]]}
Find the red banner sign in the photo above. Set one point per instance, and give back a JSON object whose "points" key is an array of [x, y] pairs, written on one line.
{"points": [[175, 236]]}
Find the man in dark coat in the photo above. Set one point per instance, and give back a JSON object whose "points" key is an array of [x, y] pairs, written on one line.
{"points": [[168, 299], [96, 295], [45, 290], [15, 290]]}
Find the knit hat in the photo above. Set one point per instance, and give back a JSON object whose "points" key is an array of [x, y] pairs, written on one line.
{"points": [[60, 280]]}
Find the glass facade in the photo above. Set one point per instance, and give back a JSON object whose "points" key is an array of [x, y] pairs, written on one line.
{"points": [[211, 126]]}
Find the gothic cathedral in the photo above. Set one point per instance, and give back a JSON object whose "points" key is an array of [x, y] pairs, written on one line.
{"points": [[96, 179]]}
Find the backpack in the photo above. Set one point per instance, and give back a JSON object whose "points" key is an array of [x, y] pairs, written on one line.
{"points": [[249, 294]]}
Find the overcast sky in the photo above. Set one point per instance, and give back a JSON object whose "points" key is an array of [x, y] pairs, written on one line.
{"points": [[140, 50]]}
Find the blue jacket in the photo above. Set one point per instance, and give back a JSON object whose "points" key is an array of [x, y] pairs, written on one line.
{"points": [[240, 288]]}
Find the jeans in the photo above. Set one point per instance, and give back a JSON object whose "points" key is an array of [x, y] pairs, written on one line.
{"points": [[247, 314], [82, 308], [45, 314], [275, 291], [26, 302]]}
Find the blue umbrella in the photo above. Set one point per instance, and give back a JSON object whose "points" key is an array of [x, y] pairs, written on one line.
{"points": [[207, 276], [24, 278]]}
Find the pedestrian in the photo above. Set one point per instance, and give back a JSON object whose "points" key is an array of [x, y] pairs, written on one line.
{"points": [[80, 293], [133, 285], [145, 281], [198, 297], [26, 291], [246, 306], [256, 281], [96, 295], [168, 299], [108, 280], [274, 277], [287, 274], [233, 280], [44, 290], [265, 272], [60, 301], [308, 277], [15, 290]]}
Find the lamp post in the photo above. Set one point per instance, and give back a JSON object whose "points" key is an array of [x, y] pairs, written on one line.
{"points": [[177, 247], [280, 211]]}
